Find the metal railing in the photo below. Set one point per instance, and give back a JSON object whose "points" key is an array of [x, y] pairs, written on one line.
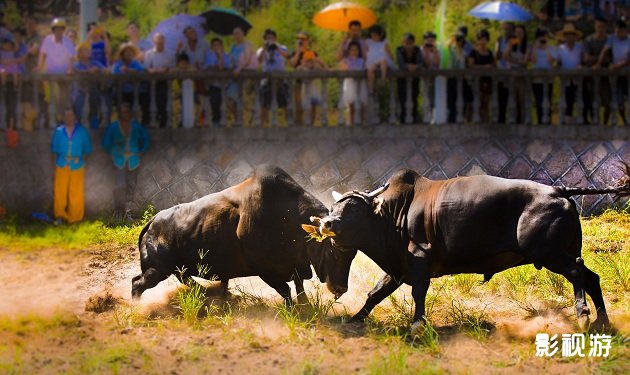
{"points": [[489, 96]]}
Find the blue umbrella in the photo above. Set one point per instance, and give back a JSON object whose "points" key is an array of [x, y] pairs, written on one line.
{"points": [[173, 29], [500, 11]]}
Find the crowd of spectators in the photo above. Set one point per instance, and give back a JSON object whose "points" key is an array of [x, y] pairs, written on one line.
{"points": [[572, 35]]}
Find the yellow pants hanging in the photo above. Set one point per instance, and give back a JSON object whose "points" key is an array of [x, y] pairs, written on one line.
{"points": [[69, 194]]}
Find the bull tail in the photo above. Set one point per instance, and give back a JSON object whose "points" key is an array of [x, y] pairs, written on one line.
{"points": [[142, 233], [619, 190]]}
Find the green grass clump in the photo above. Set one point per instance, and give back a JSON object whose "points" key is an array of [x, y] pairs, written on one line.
{"points": [[25, 236]]}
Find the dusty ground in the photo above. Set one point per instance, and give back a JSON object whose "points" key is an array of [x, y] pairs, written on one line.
{"points": [[45, 328]]}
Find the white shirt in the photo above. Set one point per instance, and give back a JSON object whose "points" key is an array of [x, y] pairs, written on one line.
{"points": [[159, 60], [58, 55], [198, 56], [570, 58]]}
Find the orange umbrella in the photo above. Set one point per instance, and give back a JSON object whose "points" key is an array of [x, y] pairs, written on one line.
{"points": [[337, 16]]}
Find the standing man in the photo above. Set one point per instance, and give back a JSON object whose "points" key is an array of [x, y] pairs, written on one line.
{"points": [[159, 60], [70, 146], [354, 35], [409, 58], [125, 141], [503, 43], [133, 35], [272, 55], [56, 56], [593, 47], [619, 47]]}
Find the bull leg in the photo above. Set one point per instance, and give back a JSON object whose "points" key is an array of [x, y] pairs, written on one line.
{"points": [[224, 288], [592, 287], [385, 286], [420, 281], [280, 286], [147, 280], [573, 270], [299, 289]]}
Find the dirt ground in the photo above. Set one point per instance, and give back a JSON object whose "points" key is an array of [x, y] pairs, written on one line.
{"points": [[45, 328]]}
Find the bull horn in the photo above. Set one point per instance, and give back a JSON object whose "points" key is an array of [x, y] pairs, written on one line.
{"points": [[203, 282], [378, 191], [336, 195]]}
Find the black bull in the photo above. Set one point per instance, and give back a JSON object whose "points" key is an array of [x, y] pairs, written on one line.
{"points": [[250, 229], [416, 229]]}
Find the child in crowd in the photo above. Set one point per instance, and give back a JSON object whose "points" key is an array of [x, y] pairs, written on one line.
{"points": [[81, 90], [311, 89], [9, 62], [378, 56], [217, 60], [354, 89]]}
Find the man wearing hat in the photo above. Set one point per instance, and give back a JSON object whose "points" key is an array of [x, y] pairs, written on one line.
{"points": [[570, 57], [56, 56], [128, 63]]}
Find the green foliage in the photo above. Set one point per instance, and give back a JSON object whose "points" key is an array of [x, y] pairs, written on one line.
{"points": [[474, 323], [25, 236], [191, 299]]}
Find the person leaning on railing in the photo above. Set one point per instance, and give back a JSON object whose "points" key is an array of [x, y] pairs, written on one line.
{"points": [[457, 58], [159, 60], [619, 47], [217, 60], [242, 58], [297, 60], [127, 63], [592, 49], [542, 56], [312, 89], [10, 72], [56, 55], [431, 60], [81, 90], [569, 57], [409, 59], [482, 58], [516, 56], [272, 56], [503, 44]]}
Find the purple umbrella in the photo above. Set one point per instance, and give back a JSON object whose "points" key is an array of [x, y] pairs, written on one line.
{"points": [[173, 29]]}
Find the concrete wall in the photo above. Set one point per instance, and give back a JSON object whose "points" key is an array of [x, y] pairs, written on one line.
{"points": [[186, 164]]}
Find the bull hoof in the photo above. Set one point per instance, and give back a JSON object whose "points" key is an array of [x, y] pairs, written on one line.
{"points": [[584, 322], [357, 319], [417, 328], [602, 324]]}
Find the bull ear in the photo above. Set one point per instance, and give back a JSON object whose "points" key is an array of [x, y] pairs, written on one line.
{"points": [[336, 195], [309, 228]]}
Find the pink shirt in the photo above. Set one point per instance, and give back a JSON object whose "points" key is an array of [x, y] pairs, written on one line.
{"points": [[58, 55]]}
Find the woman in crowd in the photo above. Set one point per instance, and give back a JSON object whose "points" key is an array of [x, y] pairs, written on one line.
{"points": [[516, 56], [542, 56], [482, 58], [242, 58]]}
